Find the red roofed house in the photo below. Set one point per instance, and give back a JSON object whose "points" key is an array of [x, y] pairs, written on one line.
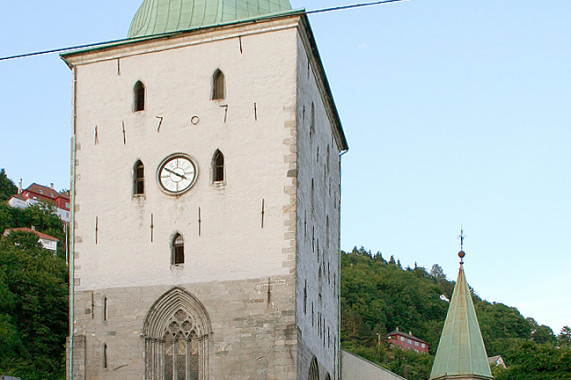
{"points": [[47, 241], [37, 193], [407, 341]]}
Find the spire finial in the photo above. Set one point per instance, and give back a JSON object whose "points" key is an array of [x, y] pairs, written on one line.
{"points": [[461, 254]]}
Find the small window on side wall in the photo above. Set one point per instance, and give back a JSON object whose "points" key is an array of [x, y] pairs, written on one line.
{"points": [[139, 97], [177, 250], [218, 167], [139, 178], [218, 85], [104, 309], [312, 121], [105, 364]]}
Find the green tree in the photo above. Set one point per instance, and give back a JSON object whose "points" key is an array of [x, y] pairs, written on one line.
{"points": [[7, 187], [535, 361], [541, 334], [33, 313], [564, 337], [377, 296]]}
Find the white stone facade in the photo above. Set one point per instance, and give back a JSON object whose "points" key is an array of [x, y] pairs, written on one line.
{"points": [[253, 244]]}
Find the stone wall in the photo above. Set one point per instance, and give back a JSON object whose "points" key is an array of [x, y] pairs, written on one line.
{"points": [[253, 329], [318, 196]]}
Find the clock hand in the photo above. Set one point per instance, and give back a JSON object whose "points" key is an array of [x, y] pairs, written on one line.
{"points": [[175, 173]]}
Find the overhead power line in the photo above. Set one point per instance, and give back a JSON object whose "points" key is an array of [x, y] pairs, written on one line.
{"points": [[351, 6], [84, 46]]}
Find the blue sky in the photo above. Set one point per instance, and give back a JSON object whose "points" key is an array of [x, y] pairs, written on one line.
{"points": [[456, 112]]}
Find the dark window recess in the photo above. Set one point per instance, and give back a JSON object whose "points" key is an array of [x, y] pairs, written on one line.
{"points": [[218, 166], [104, 355], [320, 282], [218, 85], [305, 298], [139, 180], [139, 96], [312, 195], [178, 250], [312, 122]]}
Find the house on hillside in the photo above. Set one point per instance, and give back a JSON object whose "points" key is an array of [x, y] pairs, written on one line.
{"points": [[35, 194], [47, 241], [406, 341], [496, 361]]}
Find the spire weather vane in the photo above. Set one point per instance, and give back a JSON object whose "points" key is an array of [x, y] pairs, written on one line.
{"points": [[461, 254]]}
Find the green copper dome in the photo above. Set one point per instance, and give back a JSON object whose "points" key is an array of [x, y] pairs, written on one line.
{"points": [[165, 16], [461, 352]]}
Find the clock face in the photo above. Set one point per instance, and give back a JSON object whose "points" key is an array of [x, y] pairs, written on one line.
{"points": [[177, 173]]}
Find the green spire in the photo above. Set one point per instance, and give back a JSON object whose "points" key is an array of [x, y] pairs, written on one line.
{"points": [[461, 353], [164, 16]]}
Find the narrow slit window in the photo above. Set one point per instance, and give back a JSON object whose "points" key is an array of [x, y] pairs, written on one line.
{"points": [[105, 356], [218, 166], [139, 91], [312, 195], [218, 85], [320, 284], [312, 121], [104, 309], [178, 250], [139, 178], [305, 298], [327, 163], [327, 232]]}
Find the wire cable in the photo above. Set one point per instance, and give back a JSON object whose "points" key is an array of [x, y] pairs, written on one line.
{"points": [[84, 46]]}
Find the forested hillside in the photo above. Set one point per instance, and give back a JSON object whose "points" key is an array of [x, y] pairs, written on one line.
{"points": [[33, 293], [377, 296]]}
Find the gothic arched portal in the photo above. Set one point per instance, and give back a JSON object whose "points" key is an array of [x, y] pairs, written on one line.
{"points": [[313, 370], [176, 332]]}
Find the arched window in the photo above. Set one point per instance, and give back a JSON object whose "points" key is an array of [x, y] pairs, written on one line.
{"points": [[218, 85], [181, 349], [139, 92], [176, 333], [313, 370], [177, 250], [138, 178], [218, 167]]}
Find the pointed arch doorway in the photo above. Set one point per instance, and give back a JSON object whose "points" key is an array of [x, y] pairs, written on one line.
{"points": [[176, 332]]}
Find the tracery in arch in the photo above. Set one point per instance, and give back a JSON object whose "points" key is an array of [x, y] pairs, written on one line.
{"points": [[176, 333]]}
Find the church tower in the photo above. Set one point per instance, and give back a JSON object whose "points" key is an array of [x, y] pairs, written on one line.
{"points": [[461, 353], [206, 188]]}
